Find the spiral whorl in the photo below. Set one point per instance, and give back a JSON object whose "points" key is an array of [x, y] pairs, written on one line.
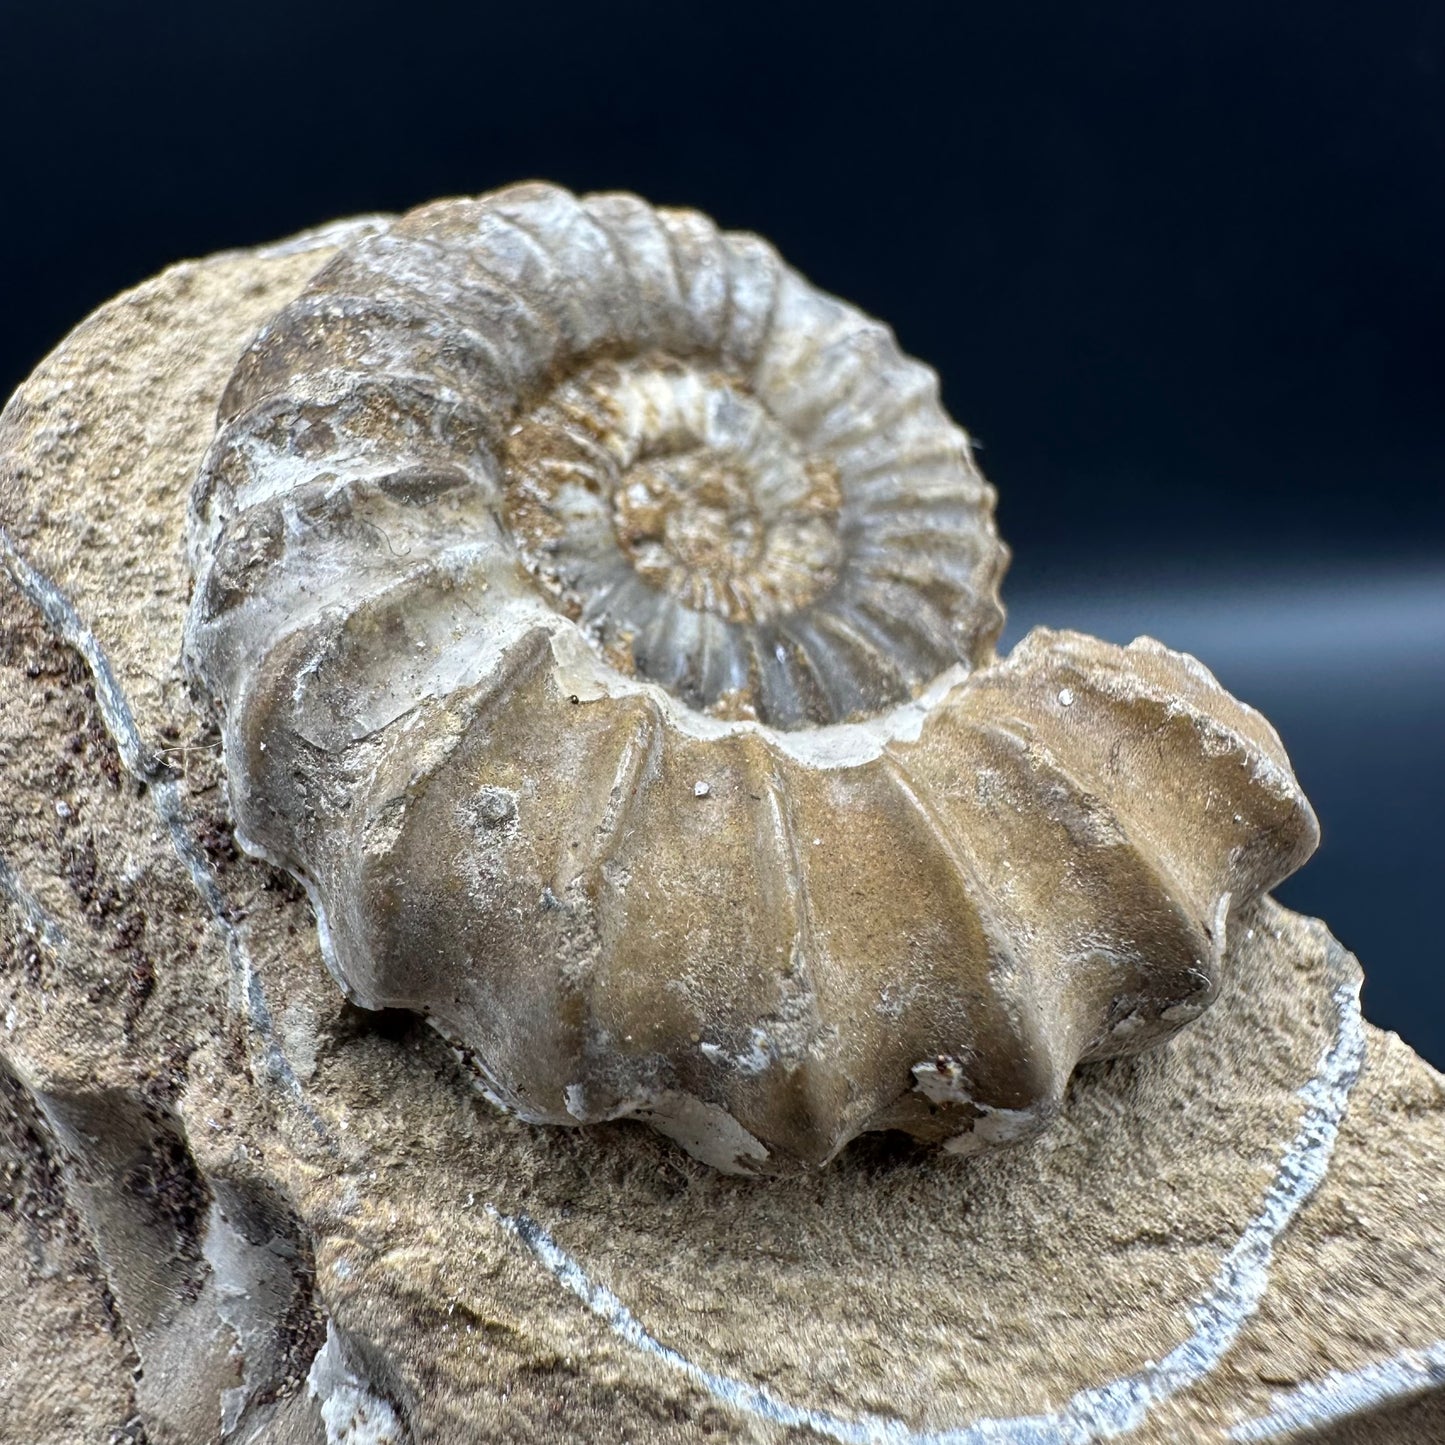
{"points": [[601, 626], [736, 484]]}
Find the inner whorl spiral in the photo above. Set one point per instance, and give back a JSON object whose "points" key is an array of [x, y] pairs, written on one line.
{"points": [[802, 540], [735, 485], [665, 509]]}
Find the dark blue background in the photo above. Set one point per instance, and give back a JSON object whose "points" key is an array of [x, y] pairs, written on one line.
{"points": [[1182, 268]]}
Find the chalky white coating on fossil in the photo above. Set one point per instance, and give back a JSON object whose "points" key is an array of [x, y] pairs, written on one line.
{"points": [[601, 624]]}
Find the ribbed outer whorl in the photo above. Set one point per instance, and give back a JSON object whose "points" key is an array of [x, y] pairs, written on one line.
{"points": [[601, 620]]}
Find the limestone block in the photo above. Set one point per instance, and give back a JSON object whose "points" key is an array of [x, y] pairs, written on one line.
{"points": [[235, 1207]]}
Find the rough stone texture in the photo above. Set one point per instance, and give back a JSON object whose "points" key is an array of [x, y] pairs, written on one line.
{"points": [[229, 1200]]}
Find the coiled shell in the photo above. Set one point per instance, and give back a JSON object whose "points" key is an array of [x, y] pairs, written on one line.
{"points": [[601, 622]]}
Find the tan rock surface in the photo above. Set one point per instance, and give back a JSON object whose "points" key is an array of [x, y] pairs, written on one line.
{"points": [[210, 1164]]}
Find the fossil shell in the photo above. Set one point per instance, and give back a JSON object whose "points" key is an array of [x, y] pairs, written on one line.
{"points": [[601, 622]]}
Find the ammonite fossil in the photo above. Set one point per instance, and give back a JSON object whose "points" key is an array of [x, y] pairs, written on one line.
{"points": [[601, 622]]}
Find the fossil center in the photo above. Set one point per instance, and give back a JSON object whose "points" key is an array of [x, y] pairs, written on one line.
{"points": [[680, 478], [698, 527]]}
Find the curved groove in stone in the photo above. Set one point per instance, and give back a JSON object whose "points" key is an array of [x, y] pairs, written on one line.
{"points": [[144, 765], [1343, 1394], [1103, 1411], [37, 922]]}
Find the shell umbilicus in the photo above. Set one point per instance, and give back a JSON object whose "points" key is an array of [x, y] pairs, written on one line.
{"points": [[601, 622]]}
